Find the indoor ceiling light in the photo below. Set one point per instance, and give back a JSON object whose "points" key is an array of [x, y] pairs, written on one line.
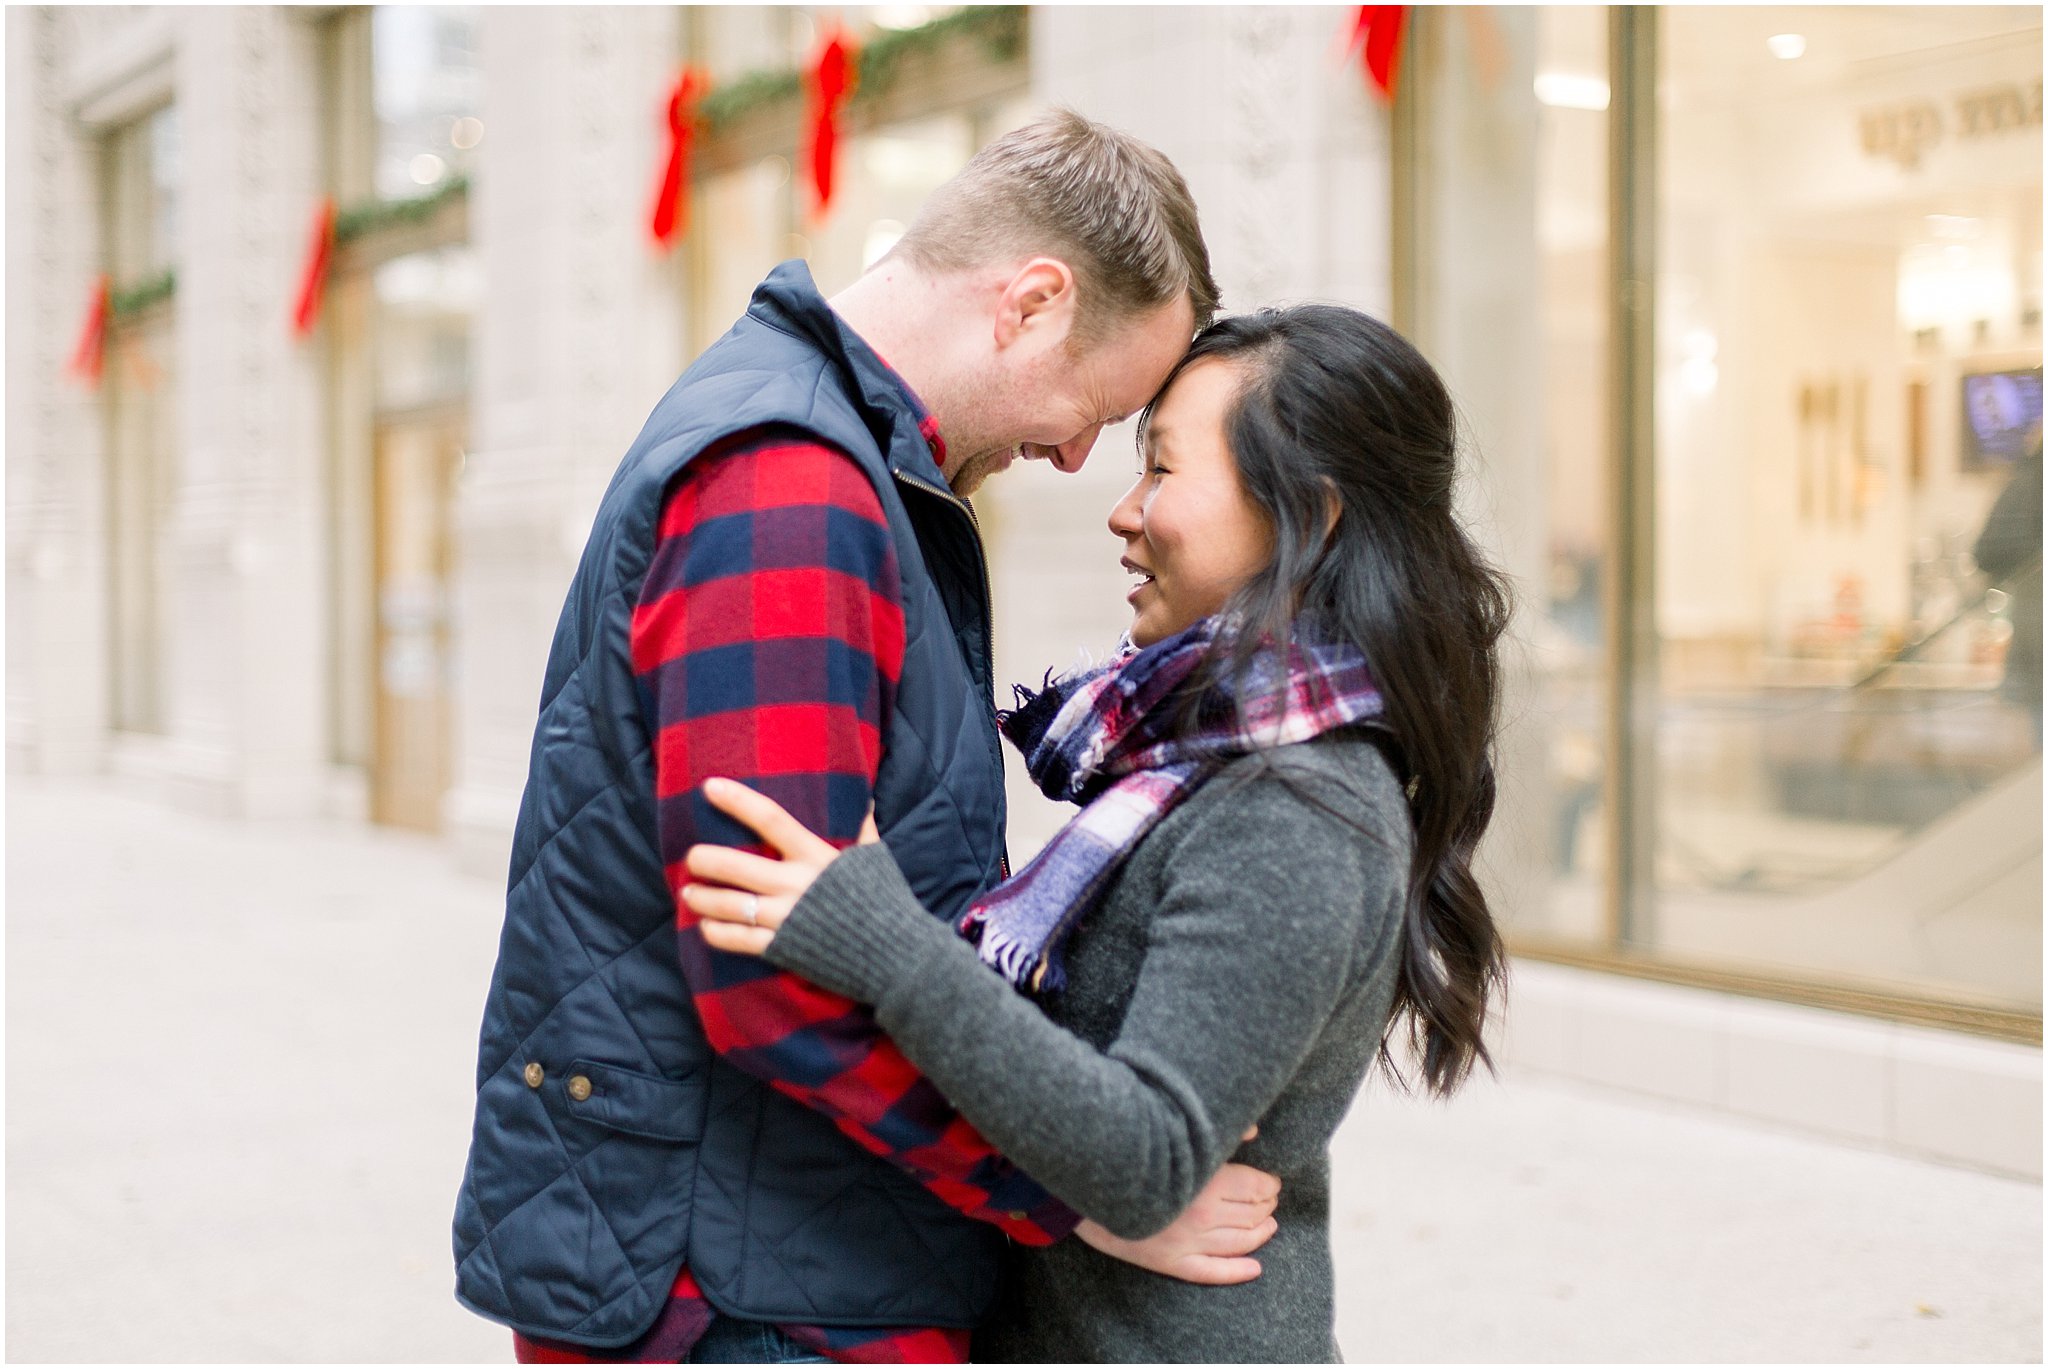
{"points": [[1561, 90], [1786, 46]]}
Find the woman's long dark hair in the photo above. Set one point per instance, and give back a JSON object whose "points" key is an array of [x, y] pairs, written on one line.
{"points": [[1339, 416]]}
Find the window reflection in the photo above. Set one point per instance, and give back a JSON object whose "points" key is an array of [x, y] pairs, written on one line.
{"points": [[1835, 772], [426, 89], [1848, 744]]}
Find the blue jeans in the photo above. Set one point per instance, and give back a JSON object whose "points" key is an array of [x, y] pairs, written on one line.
{"points": [[732, 1341]]}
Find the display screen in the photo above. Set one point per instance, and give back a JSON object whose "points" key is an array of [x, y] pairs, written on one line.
{"points": [[2001, 416]]}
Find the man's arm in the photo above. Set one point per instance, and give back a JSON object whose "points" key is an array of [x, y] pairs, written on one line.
{"points": [[767, 640]]}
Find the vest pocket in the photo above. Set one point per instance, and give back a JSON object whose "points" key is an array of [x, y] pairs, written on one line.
{"points": [[644, 1105]]}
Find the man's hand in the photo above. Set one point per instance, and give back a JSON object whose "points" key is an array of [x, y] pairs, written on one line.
{"points": [[1212, 1241]]}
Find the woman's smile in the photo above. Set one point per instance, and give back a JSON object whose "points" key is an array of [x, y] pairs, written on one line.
{"points": [[1141, 579]]}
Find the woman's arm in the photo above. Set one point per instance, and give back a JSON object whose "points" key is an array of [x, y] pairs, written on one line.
{"points": [[1265, 899]]}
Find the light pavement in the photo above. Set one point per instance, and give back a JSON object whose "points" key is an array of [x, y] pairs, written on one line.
{"points": [[239, 1070]]}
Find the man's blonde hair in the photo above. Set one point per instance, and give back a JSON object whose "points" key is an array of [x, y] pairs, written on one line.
{"points": [[1111, 207]]}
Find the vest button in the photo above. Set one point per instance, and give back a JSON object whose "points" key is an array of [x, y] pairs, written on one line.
{"points": [[579, 1088], [534, 1074]]}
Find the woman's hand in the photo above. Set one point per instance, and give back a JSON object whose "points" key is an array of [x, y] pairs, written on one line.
{"points": [[759, 892]]}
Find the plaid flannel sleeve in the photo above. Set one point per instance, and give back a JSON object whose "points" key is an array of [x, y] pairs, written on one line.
{"points": [[767, 640]]}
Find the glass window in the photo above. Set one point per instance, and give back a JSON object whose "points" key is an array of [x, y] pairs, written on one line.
{"points": [[1508, 217], [1848, 375], [1566, 627], [142, 195], [141, 177], [426, 90], [1833, 778], [425, 302], [404, 97]]}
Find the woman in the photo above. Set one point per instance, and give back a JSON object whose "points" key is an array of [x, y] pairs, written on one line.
{"points": [[1284, 780]]}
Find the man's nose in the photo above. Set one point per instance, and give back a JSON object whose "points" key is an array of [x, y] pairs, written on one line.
{"points": [[1070, 454]]}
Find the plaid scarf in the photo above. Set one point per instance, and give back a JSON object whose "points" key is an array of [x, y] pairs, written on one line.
{"points": [[1104, 738]]}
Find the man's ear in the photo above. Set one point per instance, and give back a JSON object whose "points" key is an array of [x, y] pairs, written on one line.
{"points": [[1037, 305], [1333, 509]]}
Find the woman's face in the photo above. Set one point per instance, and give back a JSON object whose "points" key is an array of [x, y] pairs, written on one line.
{"points": [[1190, 534]]}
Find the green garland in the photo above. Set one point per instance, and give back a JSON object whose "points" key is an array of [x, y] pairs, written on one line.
{"points": [[133, 299], [372, 216], [998, 28], [743, 95]]}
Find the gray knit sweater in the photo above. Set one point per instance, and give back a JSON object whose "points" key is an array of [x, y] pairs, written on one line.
{"points": [[1239, 971]]}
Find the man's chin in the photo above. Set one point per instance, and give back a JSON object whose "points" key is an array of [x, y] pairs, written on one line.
{"points": [[978, 468]]}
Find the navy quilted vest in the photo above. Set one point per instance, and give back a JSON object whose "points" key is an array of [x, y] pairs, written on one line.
{"points": [[576, 1212]]}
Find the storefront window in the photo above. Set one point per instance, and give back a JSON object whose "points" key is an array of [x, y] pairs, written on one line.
{"points": [[1810, 579], [1848, 374]]}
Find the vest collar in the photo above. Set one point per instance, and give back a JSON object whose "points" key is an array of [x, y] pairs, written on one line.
{"points": [[788, 300]]}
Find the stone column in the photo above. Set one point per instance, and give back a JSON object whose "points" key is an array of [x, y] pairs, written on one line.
{"points": [[579, 334], [56, 562], [247, 679]]}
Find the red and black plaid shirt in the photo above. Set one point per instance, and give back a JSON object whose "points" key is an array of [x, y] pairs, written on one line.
{"points": [[768, 640]]}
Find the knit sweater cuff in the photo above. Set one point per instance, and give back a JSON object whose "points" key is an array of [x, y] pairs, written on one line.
{"points": [[858, 930]]}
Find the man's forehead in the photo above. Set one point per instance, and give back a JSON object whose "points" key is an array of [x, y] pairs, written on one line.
{"points": [[1169, 327]]}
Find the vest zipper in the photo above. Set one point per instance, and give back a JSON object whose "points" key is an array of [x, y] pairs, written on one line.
{"points": [[988, 622]]}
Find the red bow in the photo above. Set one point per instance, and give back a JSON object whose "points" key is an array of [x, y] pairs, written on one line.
{"points": [[1380, 28], [671, 203], [90, 354], [831, 82], [313, 284]]}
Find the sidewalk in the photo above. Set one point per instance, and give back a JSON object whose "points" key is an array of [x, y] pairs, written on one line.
{"points": [[240, 1061]]}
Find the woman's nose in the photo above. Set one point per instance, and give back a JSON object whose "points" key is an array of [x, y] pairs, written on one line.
{"points": [[1126, 516]]}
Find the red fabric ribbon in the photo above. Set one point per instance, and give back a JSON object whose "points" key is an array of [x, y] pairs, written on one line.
{"points": [[831, 83], [671, 202], [90, 355], [313, 285], [1379, 29]]}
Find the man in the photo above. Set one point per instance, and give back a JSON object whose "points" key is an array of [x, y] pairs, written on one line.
{"points": [[684, 1154]]}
